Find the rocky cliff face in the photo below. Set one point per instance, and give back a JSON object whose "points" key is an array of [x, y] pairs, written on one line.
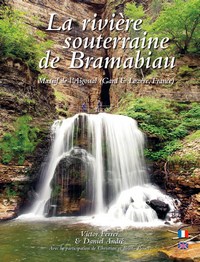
{"points": [[183, 179], [117, 89], [185, 87], [70, 96], [180, 177], [74, 94], [20, 94], [185, 75]]}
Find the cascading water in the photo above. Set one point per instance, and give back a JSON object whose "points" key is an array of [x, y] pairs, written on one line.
{"points": [[109, 149]]}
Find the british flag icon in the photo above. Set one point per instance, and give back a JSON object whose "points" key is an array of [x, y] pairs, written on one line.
{"points": [[183, 245]]}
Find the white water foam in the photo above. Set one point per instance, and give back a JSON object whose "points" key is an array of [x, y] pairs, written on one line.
{"points": [[123, 173]]}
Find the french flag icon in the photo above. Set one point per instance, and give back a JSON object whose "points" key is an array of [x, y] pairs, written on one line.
{"points": [[183, 234]]}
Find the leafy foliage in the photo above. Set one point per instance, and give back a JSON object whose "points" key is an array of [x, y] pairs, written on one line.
{"points": [[164, 121], [189, 159], [20, 143], [10, 193], [193, 136], [134, 12], [188, 156], [17, 40], [179, 20]]}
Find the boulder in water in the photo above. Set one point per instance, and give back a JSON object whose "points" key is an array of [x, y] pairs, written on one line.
{"points": [[160, 207]]}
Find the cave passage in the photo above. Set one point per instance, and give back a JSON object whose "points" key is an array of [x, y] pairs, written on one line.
{"points": [[105, 89]]}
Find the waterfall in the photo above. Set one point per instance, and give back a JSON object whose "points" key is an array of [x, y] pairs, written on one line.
{"points": [[109, 152]]}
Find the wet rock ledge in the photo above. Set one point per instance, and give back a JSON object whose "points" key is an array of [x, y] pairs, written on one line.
{"points": [[192, 254]]}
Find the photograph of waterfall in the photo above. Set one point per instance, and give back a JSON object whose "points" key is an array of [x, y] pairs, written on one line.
{"points": [[99, 130], [107, 151]]}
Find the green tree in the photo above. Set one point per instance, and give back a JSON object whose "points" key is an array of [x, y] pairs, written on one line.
{"points": [[180, 21], [17, 39], [134, 12]]}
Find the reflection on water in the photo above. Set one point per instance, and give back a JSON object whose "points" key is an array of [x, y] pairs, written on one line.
{"points": [[65, 240]]}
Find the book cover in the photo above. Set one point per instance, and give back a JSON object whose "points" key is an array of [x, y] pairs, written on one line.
{"points": [[99, 130]]}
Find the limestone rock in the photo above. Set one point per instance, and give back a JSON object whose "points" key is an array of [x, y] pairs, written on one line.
{"points": [[9, 208], [12, 173], [69, 185], [193, 210], [21, 94], [192, 254], [160, 207], [73, 92]]}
